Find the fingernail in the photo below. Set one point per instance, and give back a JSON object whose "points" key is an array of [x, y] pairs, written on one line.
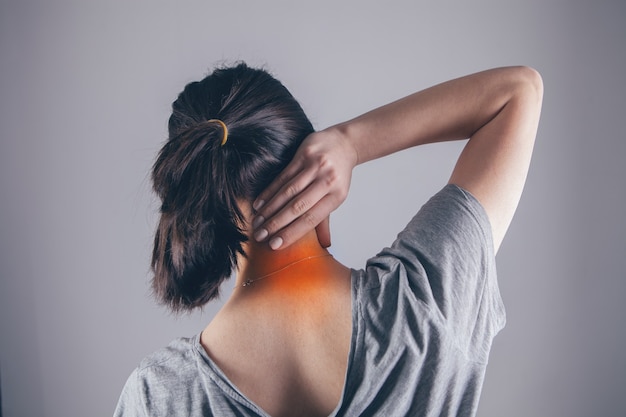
{"points": [[260, 235], [276, 242], [258, 204], [257, 221]]}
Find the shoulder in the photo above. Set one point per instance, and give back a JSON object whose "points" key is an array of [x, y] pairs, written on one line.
{"points": [[170, 372], [451, 231], [441, 267], [172, 358], [453, 210]]}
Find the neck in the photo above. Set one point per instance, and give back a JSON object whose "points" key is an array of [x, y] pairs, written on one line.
{"points": [[261, 260]]}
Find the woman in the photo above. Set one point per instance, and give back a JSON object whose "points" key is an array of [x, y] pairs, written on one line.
{"points": [[246, 183]]}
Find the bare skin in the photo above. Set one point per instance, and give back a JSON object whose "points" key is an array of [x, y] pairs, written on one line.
{"points": [[284, 341], [498, 110]]}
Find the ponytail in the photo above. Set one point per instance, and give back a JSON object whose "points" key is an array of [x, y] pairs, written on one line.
{"points": [[186, 249], [199, 181]]}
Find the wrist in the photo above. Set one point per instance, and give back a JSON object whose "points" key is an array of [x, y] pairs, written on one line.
{"points": [[342, 135]]}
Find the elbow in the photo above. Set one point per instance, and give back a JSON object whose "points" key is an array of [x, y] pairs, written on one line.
{"points": [[526, 92], [531, 83]]}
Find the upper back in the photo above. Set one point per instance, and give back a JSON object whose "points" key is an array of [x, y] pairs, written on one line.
{"points": [[284, 342]]}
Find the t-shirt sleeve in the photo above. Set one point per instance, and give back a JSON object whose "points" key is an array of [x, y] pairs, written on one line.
{"points": [[131, 402], [167, 383], [446, 262]]}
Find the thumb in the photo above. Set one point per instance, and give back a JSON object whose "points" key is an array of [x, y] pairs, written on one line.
{"points": [[323, 232]]}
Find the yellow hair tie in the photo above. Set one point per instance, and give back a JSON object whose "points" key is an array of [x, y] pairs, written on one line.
{"points": [[224, 128]]}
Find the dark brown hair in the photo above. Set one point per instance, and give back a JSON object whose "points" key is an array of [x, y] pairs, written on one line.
{"points": [[199, 181]]}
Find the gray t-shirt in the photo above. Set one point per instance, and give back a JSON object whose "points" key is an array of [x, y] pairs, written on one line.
{"points": [[424, 314]]}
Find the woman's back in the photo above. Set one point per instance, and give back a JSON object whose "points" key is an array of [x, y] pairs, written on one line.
{"points": [[284, 341], [301, 334]]}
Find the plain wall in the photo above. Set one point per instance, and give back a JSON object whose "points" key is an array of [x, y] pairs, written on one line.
{"points": [[85, 91]]}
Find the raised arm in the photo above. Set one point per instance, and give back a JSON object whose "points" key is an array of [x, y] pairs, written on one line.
{"points": [[498, 110]]}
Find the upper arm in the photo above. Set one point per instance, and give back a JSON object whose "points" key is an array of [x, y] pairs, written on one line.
{"points": [[131, 401], [495, 161]]}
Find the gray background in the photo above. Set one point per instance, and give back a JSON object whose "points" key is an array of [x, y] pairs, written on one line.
{"points": [[85, 91]]}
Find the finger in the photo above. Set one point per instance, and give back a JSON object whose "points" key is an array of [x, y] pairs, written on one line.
{"points": [[323, 233], [291, 210], [288, 192], [303, 224], [291, 170], [282, 197]]}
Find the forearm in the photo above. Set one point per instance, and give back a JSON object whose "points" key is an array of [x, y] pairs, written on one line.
{"points": [[449, 111], [497, 109]]}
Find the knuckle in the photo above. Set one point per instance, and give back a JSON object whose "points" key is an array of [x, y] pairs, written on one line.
{"points": [[272, 226], [329, 170], [282, 178], [308, 152], [263, 211], [330, 179], [291, 191], [324, 161], [310, 219], [299, 207]]}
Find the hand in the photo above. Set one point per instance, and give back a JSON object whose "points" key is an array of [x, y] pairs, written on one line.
{"points": [[302, 197]]}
